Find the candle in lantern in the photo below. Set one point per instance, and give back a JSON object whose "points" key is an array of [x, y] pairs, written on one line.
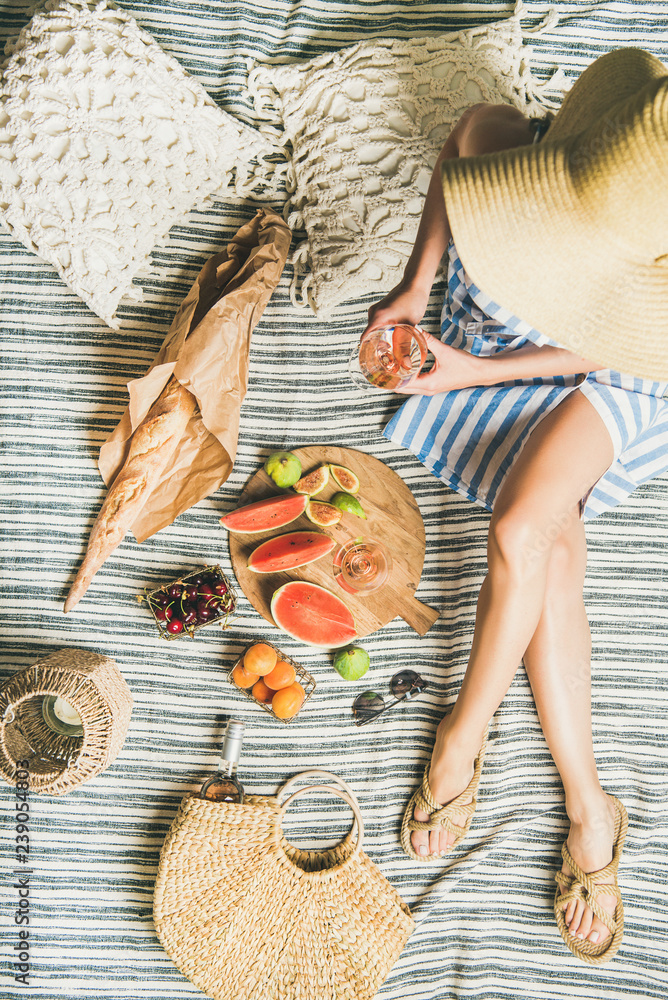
{"points": [[61, 717], [66, 713]]}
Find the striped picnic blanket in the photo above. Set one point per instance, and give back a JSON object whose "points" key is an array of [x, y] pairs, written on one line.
{"points": [[485, 924]]}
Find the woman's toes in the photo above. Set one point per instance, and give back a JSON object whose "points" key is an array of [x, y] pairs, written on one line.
{"points": [[574, 925], [420, 838], [598, 932], [585, 924], [446, 841], [434, 843]]}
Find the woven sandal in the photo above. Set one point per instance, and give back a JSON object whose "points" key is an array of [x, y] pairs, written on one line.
{"points": [[588, 887], [441, 816]]}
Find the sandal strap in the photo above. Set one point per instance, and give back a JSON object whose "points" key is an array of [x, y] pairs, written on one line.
{"points": [[572, 889], [588, 886], [441, 816]]}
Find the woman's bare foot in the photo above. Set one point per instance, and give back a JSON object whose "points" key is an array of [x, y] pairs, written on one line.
{"points": [[451, 770], [590, 844]]}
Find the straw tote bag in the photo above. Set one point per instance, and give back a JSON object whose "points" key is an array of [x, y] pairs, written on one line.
{"points": [[244, 914]]}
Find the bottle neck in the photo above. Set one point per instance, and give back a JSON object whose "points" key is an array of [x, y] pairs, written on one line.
{"points": [[227, 768]]}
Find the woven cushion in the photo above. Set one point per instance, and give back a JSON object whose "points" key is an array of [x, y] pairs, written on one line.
{"points": [[363, 128], [105, 143]]}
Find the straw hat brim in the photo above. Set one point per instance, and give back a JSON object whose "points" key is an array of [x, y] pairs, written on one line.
{"points": [[565, 236]]}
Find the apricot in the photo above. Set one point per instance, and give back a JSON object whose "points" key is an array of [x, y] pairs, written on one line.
{"points": [[281, 676], [260, 659], [261, 692], [288, 700], [242, 677]]}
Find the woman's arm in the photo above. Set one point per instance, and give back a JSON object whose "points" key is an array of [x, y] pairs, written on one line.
{"points": [[483, 128], [456, 369], [407, 301]]}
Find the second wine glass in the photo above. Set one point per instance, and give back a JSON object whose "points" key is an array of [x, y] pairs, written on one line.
{"points": [[362, 566]]}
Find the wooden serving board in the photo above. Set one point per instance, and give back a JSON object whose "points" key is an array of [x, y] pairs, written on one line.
{"points": [[393, 518]]}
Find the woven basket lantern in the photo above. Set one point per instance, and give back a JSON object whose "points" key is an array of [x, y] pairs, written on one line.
{"points": [[93, 686]]}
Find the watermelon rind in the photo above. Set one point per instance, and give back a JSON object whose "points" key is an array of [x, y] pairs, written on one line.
{"points": [[289, 551], [264, 515], [328, 628]]}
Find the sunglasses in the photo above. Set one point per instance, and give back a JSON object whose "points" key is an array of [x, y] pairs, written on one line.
{"points": [[369, 705]]}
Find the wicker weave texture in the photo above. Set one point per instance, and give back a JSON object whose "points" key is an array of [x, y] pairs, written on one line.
{"points": [[243, 914], [94, 687]]}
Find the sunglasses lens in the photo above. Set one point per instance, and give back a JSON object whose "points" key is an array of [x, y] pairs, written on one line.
{"points": [[407, 684], [367, 706]]}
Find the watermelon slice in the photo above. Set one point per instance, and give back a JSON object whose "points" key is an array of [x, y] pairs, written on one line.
{"points": [[263, 515], [297, 548], [312, 614]]}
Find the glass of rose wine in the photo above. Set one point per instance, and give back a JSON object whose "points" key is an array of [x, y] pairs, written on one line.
{"points": [[362, 566], [388, 357]]}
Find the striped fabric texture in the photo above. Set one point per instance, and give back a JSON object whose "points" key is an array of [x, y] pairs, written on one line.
{"points": [[471, 438], [485, 923]]}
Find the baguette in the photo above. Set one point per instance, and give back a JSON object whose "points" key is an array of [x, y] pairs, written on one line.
{"points": [[151, 446]]}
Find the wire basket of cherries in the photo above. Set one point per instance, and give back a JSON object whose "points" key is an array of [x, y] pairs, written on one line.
{"points": [[203, 597]]}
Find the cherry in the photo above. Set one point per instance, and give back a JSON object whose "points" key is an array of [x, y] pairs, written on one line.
{"points": [[190, 593], [196, 580], [220, 588], [161, 598], [164, 614], [175, 626], [205, 589], [190, 617], [204, 612], [175, 590]]}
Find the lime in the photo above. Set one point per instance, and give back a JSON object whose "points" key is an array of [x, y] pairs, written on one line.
{"points": [[348, 504], [352, 663], [283, 467]]}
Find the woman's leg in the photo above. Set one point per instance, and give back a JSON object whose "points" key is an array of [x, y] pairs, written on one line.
{"points": [[569, 450], [557, 662]]}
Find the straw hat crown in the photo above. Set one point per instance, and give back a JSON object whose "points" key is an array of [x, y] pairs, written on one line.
{"points": [[571, 234]]}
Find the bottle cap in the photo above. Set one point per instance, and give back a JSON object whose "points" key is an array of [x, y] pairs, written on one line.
{"points": [[234, 733], [235, 728]]}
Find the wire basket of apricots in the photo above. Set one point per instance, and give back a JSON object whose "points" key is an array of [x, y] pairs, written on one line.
{"points": [[273, 680]]}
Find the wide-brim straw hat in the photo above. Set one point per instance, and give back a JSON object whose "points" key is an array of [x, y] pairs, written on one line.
{"points": [[571, 234]]}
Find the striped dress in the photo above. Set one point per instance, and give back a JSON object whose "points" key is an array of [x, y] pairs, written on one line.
{"points": [[470, 438]]}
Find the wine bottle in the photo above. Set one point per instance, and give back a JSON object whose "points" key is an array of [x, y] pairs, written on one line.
{"points": [[224, 786]]}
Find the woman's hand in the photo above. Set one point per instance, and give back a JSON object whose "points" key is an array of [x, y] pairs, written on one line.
{"points": [[453, 369], [404, 304]]}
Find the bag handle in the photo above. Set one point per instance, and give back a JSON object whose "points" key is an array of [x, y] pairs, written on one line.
{"points": [[320, 773], [343, 793], [316, 772]]}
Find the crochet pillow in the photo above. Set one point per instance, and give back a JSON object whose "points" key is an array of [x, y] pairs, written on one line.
{"points": [[105, 143], [363, 128]]}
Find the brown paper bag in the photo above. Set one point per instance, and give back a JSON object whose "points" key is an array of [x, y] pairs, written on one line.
{"points": [[206, 350]]}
